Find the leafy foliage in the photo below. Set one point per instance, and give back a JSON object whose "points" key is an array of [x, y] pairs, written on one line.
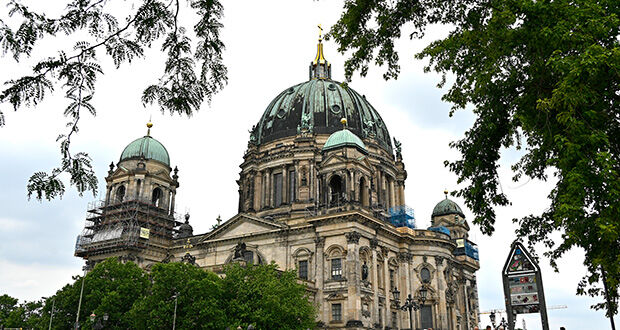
{"points": [[541, 75], [198, 296], [193, 71], [283, 302], [134, 299]]}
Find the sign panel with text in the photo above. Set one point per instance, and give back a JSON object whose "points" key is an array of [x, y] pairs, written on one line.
{"points": [[523, 289]]}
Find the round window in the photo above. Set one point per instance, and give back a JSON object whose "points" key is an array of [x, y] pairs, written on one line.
{"points": [[425, 274]]}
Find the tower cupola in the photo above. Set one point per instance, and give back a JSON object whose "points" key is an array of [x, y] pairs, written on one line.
{"points": [[320, 68]]}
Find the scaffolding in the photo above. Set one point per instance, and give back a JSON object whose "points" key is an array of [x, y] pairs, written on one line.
{"points": [[124, 225], [402, 216]]}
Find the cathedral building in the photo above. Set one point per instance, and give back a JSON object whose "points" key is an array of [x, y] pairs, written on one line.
{"points": [[322, 191]]}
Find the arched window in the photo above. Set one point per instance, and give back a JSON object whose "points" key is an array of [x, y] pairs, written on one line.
{"points": [[156, 197], [120, 193], [335, 187], [364, 200], [138, 187]]}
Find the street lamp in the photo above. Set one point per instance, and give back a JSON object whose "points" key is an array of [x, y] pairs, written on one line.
{"points": [[174, 319], [502, 324], [410, 304]]}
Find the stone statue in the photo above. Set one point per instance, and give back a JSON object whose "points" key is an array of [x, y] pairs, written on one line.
{"points": [[368, 127], [239, 251], [253, 134], [306, 124], [364, 272], [397, 144]]}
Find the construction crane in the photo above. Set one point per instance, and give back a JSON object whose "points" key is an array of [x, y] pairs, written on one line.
{"points": [[503, 311]]}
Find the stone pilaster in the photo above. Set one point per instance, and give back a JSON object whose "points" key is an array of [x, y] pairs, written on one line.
{"points": [[354, 303]]}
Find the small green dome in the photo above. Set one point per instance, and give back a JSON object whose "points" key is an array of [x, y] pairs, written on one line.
{"points": [[446, 207], [146, 147], [343, 138]]}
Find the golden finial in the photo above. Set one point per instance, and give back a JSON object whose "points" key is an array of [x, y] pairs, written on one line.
{"points": [[320, 58], [149, 125], [343, 121], [446, 192]]}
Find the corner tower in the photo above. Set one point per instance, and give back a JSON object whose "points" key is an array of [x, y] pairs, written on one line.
{"points": [[135, 221]]}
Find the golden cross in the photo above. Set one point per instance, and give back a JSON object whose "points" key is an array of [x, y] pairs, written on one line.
{"points": [[188, 245], [320, 32]]}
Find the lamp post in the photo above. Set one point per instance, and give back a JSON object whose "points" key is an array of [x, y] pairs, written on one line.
{"points": [[77, 316], [493, 318], [174, 319], [410, 304]]}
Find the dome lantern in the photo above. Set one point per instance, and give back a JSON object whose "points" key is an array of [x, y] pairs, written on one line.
{"points": [[319, 67]]}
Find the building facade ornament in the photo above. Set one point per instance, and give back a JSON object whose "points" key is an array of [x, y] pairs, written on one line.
{"points": [[353, 237]]}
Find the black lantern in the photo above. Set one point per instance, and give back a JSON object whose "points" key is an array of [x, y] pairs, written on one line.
{"points": [[396, 293], [105, 316], [423, 294]]}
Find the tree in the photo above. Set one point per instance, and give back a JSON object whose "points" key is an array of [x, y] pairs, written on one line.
{"points": [[26, 315], [193, 71], [266, 298], [112, 287], [198, 299], [8, 304], [542, 76]]}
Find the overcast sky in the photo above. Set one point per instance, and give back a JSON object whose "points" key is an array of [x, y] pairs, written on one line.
{"points": [[269, 46]]}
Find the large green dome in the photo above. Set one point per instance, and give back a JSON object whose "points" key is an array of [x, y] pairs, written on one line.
{"points": [[146, 147], [342, 138], [446, 207], [318, 105]]}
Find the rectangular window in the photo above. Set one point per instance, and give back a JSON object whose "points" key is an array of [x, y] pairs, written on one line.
{"points": [[392, 283], [277, 188], [248, 256], [336, 268], [303, 269], [291, 185], [394, 321], [336, 312]]}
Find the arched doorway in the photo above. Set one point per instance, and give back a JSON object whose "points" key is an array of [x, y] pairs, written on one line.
{"points": [[156, 198], [335, 189], [120, 194]]}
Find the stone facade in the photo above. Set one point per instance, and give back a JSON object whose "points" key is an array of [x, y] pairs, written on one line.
{"points": [[324, 212]]}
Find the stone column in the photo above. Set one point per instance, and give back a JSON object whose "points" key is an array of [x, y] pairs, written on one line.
{"points": [[392, 194], [463, 282], [269, 187], [284, 185], [404, 259], [386, 284], [442, 285], [319, 269], [354, 304], [402, 193], [374, 244], [258, 184], [312, 183]]}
